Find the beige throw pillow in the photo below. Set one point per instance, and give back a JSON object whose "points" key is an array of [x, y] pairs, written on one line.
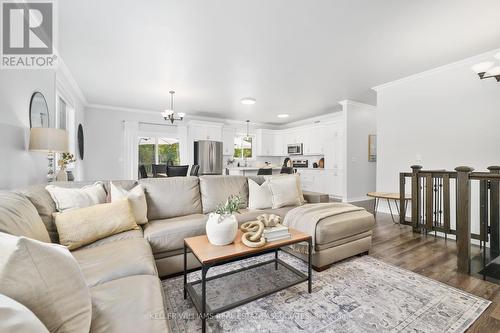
{"points": [[79, 227], [70, 198], [15, 317], [259, 196], [47, 280], [136, 198], [284, 191], [298, 183]]}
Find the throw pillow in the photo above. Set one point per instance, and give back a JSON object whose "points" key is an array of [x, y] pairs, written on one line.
{"points": [[82, 226], [15, 317], [284, 191], [259, 196], [69, 198], [47, 280], [136, 198], [298, 183]]}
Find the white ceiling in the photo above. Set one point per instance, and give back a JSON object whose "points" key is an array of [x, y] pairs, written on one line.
{"points": [[294, 56]]}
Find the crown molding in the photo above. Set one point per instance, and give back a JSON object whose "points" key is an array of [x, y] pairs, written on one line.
{"points": [[457, 64], [347, 102]]}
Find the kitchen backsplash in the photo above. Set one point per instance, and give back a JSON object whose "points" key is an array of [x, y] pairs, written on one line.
{"points": [[276, 161]]}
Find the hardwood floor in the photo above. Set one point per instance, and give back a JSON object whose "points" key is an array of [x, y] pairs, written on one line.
{"points": [[434, 258]]}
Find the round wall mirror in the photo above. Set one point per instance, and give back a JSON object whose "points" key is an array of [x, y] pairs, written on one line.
{"points": [[39, 111]]}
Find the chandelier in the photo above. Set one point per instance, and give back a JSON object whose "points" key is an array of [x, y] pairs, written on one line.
{"points": [[169, 114]]}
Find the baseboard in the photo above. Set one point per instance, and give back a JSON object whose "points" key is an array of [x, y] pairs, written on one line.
{"points": [[363, 198]]}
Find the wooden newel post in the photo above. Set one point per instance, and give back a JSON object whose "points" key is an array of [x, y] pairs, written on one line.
{"points": [[463, 219], [415, 197], [494, 214]]}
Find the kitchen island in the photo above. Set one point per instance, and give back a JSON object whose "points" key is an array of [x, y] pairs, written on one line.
{"points": [[249, 171]]}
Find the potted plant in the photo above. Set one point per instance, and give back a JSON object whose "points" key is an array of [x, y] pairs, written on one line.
{"points": [[64, 160], [222, 225]]}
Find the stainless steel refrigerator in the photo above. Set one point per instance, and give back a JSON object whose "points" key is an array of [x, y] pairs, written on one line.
{"points": [[208, 155]]}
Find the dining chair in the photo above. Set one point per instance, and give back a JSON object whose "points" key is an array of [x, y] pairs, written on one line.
{"points": [[194, 170], [159, 169], [288, 170], [142, 171], [265, 172], [177, 170]]}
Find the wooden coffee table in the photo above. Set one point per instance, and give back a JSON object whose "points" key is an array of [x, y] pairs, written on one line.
{"points": [[211, 255]]}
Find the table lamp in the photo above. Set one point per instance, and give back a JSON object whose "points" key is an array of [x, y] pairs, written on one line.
{"points": [[50, 141]]}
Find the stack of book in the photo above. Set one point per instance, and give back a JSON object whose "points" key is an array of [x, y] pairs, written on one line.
{"points": [[278, 232]]}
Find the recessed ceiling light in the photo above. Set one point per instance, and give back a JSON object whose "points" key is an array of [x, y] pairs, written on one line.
{"points": [[283, 115], [248, 101]]}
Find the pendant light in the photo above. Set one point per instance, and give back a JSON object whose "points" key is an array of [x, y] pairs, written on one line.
{"points": [[169, 114]]}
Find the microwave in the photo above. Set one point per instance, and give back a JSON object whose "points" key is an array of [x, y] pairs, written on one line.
{"points": [[295, 149]]}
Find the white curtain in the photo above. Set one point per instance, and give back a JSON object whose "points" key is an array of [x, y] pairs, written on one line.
{"points": [[130, 149]]}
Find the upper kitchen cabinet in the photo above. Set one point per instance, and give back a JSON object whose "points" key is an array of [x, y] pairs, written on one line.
{"points": [[228, 135], [205, 131], [265, 143]]}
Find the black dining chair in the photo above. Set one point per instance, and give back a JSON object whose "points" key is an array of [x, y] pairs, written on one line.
{"points": [[142, 172], [177, 170], [288, 170], [159, 170], [265, 172], [194, 170]]}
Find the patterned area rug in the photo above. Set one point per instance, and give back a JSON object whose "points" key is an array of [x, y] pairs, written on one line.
{"points": [[358, 295]]}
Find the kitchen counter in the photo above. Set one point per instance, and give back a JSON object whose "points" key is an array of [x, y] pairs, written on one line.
{"points": [[251, 168], [249, 171]]}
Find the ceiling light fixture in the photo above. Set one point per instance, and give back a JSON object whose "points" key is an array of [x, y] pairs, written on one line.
{"points": [[248, 101], [283, 115], [169, 114], [485, 70]]}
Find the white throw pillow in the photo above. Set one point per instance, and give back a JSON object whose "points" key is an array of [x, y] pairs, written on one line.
{"points": [[284, 191], [15, 317], [69, 198], [47, 280], [259, 196], [298, 183], [136, 198]]}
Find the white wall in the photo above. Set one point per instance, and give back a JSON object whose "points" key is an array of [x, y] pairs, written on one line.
{"points": [[20, 167], [439, 119], [360, 173], [104, 137]]}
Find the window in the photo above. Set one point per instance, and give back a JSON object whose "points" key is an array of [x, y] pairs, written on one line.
{"points": [[65, 119], [158, 150], [243, 146]]}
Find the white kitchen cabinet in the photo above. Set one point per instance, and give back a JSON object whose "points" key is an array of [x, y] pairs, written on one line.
{"points": [[228, 135], [208, 131], [265, 143]]}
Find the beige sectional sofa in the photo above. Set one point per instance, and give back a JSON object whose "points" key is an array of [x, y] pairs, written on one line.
{"points": [[122, 271]]}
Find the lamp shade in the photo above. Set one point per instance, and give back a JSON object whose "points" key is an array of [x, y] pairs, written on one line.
{"points": [[51, 140]]}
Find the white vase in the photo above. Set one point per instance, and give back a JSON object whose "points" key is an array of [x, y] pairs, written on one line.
{"points": [[62, 176], [221, 230]]}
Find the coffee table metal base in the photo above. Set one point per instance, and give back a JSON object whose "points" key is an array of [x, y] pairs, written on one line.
{"points": [[200, 301]]}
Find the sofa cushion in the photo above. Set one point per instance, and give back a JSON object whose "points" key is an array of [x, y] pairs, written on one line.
{"points": [[340, 226], [130, 234], [171, 197], [78, 227], [168, 234], [45, 206], [247, 215], [131, 304], [15, 317], [216, 189], [47, 280], [115, 260], [19, 217]]}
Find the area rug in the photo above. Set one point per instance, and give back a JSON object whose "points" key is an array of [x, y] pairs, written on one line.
{"points": [[358, 295]]}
